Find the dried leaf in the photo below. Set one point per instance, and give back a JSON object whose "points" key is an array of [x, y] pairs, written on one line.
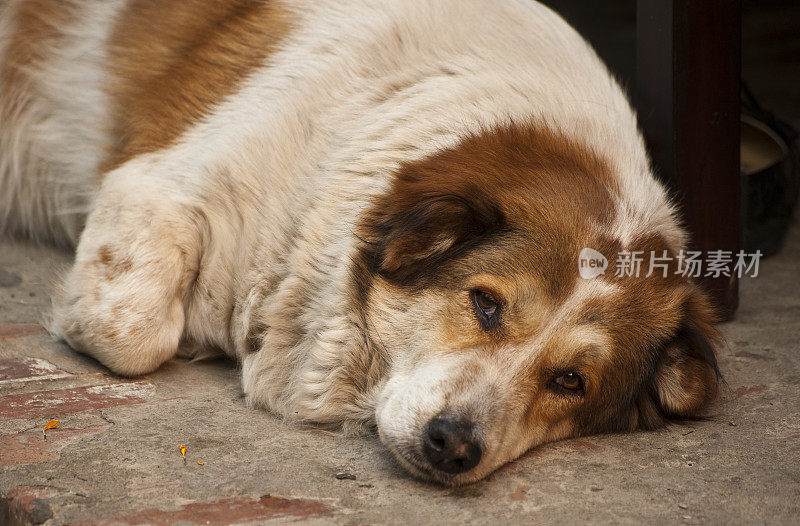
{"points": [[52, 424], [183, 451]]}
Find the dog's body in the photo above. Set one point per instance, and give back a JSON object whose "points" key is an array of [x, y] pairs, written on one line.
{"points": [[377, 207]]}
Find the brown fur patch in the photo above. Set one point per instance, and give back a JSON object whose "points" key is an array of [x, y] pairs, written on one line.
{"points": [[662, 366], [522, 181], [173, 61], [112, 265], [105, 255], [507, 211]]}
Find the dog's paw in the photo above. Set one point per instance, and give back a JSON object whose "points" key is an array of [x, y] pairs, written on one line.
{"points": [[123, 300]]}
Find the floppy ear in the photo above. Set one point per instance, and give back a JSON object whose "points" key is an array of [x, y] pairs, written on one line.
{"points": [[686, 374], [415, 227]]}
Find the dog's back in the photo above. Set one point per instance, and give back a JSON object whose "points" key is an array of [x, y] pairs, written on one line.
{"points": [[87, 85]]}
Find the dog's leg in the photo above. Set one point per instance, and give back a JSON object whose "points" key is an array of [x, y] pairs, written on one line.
{"points": [[123, 301]]}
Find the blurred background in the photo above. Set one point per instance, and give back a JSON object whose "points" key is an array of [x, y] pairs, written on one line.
{"points": [[770, 45]]}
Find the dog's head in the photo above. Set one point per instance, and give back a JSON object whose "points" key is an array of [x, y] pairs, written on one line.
{"points": [[496, 343]]}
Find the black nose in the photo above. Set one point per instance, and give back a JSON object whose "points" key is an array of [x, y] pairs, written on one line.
{"points": [[450, 446]]}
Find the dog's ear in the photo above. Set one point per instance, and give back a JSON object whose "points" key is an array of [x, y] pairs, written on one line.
{"points": [[686, 374], [421, 223]]}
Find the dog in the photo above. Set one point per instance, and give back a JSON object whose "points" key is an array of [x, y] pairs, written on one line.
{"points": [[377, 208]]}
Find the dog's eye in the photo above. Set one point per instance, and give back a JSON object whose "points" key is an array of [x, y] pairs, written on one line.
{"points": [[486, 308], [567, 383]]}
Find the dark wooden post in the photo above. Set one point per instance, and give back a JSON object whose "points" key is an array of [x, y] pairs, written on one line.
{"points": [[688, 60]]}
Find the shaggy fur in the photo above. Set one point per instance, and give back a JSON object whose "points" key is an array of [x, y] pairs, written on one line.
{"points": [[319, 190]]}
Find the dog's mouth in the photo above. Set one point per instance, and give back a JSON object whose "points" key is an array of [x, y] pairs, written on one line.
{"points": [[411, 458], [446, 452]]}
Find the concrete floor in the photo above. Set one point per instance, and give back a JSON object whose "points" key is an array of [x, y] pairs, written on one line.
{"points": [[115, 457]]}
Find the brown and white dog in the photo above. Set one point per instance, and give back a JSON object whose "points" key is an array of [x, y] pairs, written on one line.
{"points": [[376, 207]]}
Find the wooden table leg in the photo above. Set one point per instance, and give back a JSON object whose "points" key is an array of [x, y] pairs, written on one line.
{"points": [[688, 60]]}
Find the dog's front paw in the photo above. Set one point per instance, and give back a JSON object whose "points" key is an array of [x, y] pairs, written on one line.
{"points": [[123, 300]]}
